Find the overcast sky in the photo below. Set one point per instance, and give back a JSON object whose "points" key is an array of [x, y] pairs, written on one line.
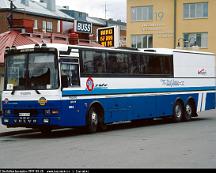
{"points": [[116, 9]]}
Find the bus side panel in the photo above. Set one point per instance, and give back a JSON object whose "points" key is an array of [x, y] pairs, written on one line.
{"points": [[143, 107], [128, 108], [165, 105], [117, 109], [73, 113], [210, 101]]}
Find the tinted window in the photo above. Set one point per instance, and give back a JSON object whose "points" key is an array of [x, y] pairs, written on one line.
{"points": [[134, 64], [117, 63], [156, 65], [93, 62], [70, 75], [112, 63]]}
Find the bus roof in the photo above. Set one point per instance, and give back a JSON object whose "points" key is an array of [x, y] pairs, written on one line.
{"points": [[171, 51], [166, 51]]}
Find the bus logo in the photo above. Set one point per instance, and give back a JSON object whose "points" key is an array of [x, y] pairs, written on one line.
{"points": [[202, 71], [90, 84], [42, 101]]}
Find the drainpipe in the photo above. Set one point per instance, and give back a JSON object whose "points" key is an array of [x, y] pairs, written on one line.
{"points": [[175, 24]]}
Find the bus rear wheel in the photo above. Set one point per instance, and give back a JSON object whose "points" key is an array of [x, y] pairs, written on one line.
{"points": [[178, 112], [189, 111]]}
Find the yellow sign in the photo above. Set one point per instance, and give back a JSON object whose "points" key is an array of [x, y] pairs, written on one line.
{"points": [[106, 37]]}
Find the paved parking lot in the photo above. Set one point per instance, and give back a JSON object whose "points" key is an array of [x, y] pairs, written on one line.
{"points": [[155, 144]]}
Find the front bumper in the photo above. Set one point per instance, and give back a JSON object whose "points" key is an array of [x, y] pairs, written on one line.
{"points": [[30, 121]]}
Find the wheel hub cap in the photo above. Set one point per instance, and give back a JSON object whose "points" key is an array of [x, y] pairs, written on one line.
{"points": [[94, 118]]}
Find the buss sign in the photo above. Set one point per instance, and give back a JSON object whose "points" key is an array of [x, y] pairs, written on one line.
{"points": [[83, 27]]}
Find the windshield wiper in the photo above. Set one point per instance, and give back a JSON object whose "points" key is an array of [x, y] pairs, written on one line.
{"points": [[13, 91], [37, 91]]}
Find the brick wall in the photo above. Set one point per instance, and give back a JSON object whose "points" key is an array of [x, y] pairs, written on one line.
{"points": [[4, 22]]}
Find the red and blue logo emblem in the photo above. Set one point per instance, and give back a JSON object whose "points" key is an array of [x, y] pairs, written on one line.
{"points": [[90, 84]]}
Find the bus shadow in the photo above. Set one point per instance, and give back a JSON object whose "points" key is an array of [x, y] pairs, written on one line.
{"points": [[147, 123], [15, 132], [72, 132]]}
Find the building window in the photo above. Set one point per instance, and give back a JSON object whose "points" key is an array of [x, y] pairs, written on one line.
{"points": [[49, 27], [142, 41], [59, 26], [35, 24], [44, 26], [196, 39], [142, 13], [195, 10]]}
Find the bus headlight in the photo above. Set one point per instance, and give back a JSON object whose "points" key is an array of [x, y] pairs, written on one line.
{"points": [[51, 112], [6, 120], [7, 112], [54, 112]]}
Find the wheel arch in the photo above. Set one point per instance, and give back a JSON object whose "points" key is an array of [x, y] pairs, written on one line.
{"points": [[191, 100], [180, 100]]}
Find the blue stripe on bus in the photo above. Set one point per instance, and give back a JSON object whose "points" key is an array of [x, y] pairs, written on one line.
{"points": [[100, 91]]}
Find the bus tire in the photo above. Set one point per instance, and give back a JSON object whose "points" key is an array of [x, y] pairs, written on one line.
{"points": [[92, 120], [178, 112], [189, 111]]}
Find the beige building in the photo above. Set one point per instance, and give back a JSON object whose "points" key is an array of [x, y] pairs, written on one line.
{"points": [[188, 24]]}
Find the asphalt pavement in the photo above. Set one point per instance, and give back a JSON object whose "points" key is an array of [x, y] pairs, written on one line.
{"points": [[153, 144]]}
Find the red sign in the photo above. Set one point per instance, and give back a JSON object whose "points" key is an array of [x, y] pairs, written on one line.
{"points": [[90, 84]]}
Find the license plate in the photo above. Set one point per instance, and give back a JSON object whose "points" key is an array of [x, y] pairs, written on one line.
{"points": [[24, 114]]}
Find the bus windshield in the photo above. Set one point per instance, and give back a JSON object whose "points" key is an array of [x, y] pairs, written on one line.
{"points": [[31, 71]]}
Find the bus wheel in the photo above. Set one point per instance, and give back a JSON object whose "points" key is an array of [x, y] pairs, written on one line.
{"points": [[178, 112], [92, 120], [189, 111]]}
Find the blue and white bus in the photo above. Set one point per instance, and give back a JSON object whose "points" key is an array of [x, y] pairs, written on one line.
{"points": [[55, 85]]}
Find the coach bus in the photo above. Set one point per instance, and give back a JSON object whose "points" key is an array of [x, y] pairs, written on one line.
{"points": [[59, 86]]}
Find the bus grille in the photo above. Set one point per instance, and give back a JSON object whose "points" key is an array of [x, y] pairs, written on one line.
{"points": [[32, 112]]}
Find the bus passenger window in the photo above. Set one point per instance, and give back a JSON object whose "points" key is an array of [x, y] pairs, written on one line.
{"points": [[134, 61], [154, 65], [117, 63], [70, 75], [112, 66], [99, 63]]}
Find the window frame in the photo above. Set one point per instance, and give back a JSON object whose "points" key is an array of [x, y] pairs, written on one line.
{"points": [[148, 9], [49, 26], [196, 15], [70, 61], [128, 74], [35, 24], [201, 36], [141, 38]]}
